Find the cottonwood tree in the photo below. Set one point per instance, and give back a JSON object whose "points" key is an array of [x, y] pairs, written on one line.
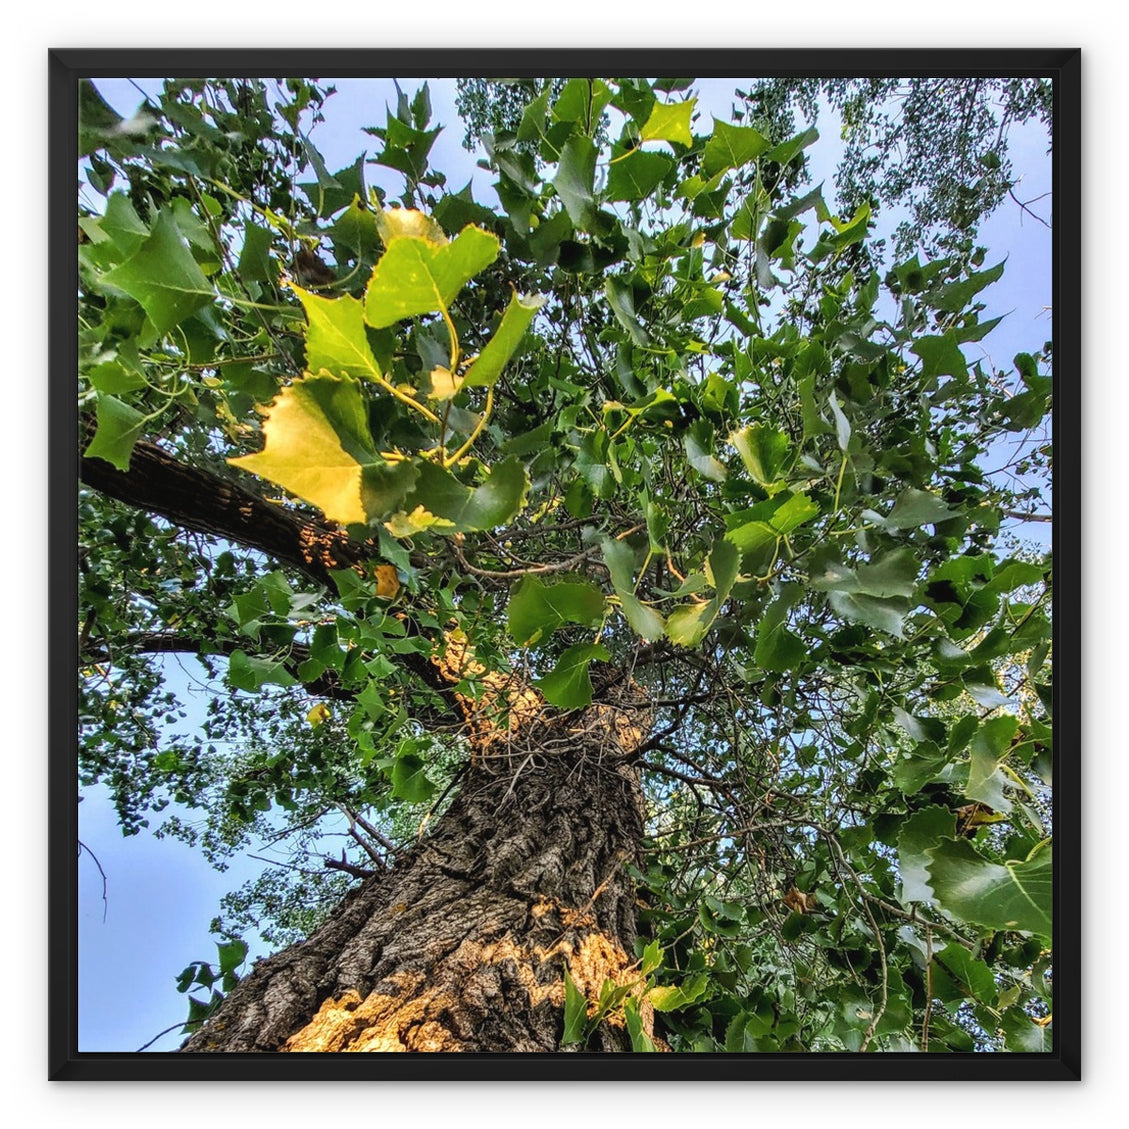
{"points": [[933, 150], [620, 570]]}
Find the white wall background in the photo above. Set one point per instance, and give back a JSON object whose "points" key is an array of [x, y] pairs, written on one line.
{"points": [[32, 30]]}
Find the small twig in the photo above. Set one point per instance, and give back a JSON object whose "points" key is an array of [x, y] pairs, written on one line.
{"points": [[928, 988], [361, 841], [278, 862], [147, 1045], [368, 828], [105, 901], [348, 867], [464, 768], [879, 1011], [514, 573], [1024, 208], [876, 901], [513, 782]]}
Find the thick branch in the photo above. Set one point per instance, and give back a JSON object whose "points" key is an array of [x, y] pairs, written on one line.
{"points": [[196, 499]]}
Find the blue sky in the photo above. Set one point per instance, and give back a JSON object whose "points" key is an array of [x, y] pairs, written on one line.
{"points": [[161, 894]]}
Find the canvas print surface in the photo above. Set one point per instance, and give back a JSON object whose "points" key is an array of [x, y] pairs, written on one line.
{"points": [[565, 565]]}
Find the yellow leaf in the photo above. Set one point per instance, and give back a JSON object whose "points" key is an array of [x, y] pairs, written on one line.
{"points": [[387, 582], [444, 383], [314, 432], [669, 121], [318, 714], [401, 223], [403, 524]]}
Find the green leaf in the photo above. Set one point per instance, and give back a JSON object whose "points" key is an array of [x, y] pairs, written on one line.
{"points": [[537, 609], [97, 119], [1016, 895], [955, 296], [621, 298], [325, 647], [940, 356], [702, 302], [788, 151], [573, 182], [893, 574], [122, 224], [881, 614], [385, 487], [575, 1012], [247, 673], [465, 509], [778, 649], [669, 121], [977, 977], [990, 747], [1023, 1035], [763, 450], [676, 997], [582, 100], [355, 233], [687, 625], [917, 507], [740, 1034], [317, 162], [730, 147], [699, 440], [487, 367], [532, 125], [114, 377], [254, 258], [232, 954], [924, 829], [409, 779], [913, 772], [797, 925], [842, 424], [335, 338], [755, 529], [421, 274], [620, 559], [568, 685], [317, 444], [640, 1041], [636, 175], [1014, 574], [873, 593], [119, 428], [163, 276]]}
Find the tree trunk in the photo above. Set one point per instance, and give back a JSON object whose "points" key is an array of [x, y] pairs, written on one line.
{"points": [[463, 945]]}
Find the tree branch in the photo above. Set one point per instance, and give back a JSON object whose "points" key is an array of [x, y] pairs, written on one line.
{"points": [[197, 499]]}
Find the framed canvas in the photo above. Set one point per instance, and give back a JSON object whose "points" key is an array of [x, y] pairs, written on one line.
{"points": [[564, 560]]}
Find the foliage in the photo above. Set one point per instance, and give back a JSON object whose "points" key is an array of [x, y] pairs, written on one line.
{"points": [[656, 416], [201, 974], [933, 149]]}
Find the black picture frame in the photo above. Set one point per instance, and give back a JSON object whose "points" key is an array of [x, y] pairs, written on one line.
{"points": [[1061, 65]]}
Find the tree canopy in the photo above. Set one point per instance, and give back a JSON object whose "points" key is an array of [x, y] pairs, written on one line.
{"points": [[654, 442]]}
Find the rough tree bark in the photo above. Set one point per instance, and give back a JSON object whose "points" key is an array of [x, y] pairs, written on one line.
{"points": [[463, 944]]}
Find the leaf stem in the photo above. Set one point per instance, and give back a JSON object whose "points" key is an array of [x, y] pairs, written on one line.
{"points": [[453, 459]]}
